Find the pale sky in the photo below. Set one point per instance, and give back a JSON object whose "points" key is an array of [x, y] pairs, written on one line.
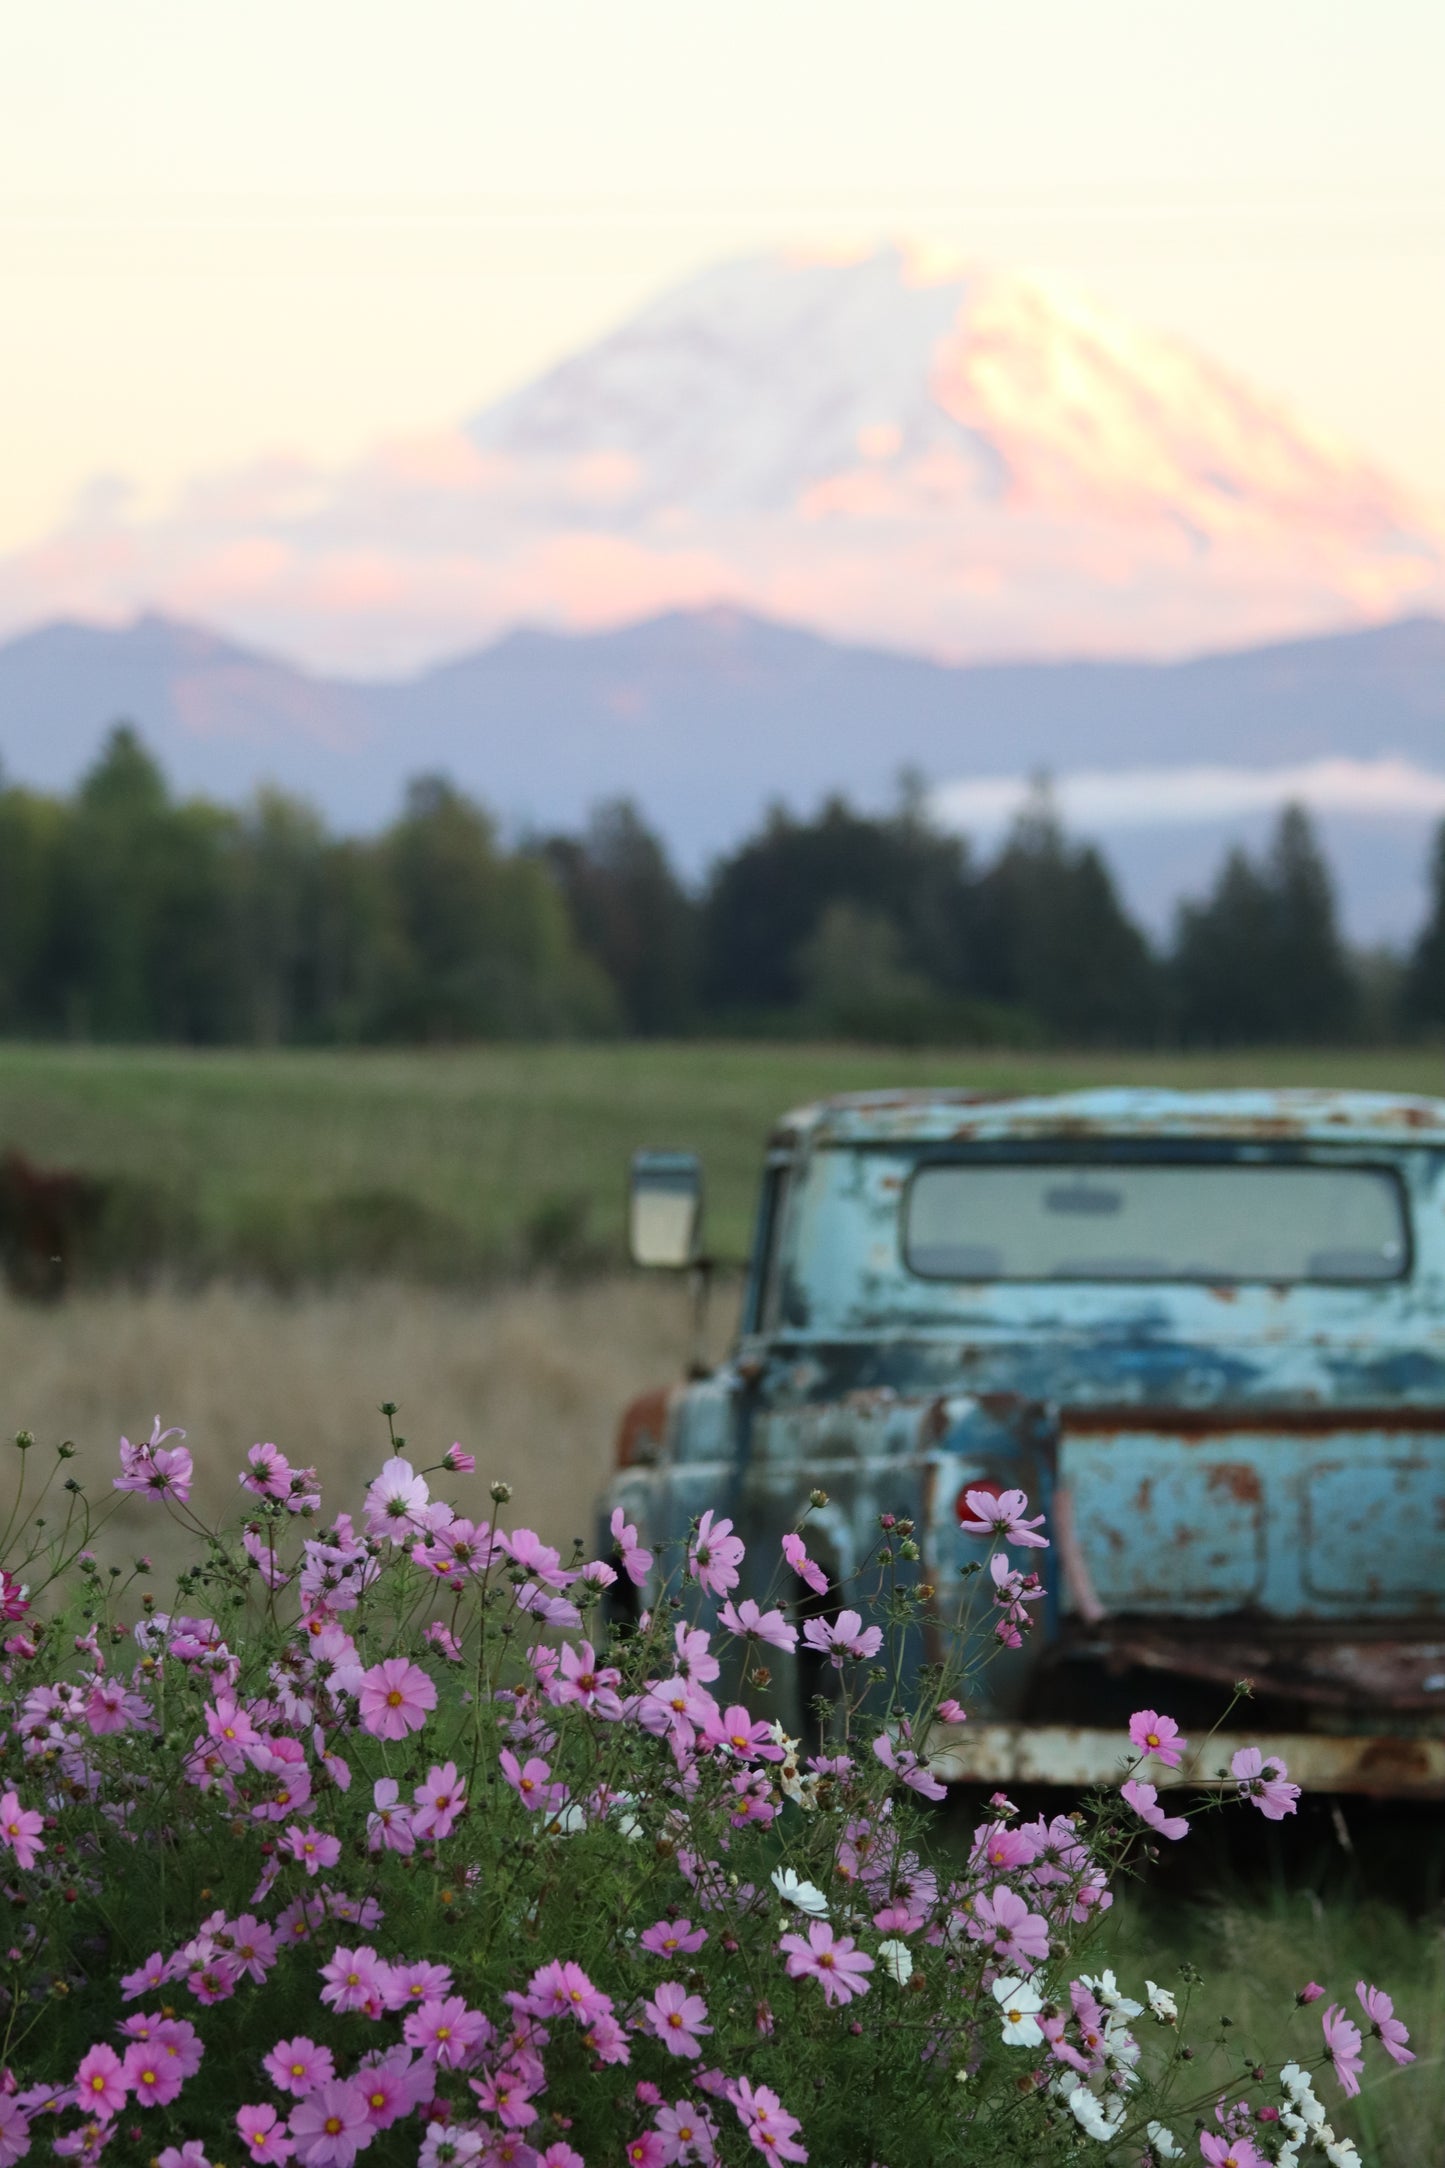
{"points": [[228, 230]]}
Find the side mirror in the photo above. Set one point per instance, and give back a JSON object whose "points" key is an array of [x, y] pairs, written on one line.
{"points": [[664, 1209]]}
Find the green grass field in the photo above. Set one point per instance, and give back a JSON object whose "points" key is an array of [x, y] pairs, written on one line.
{"points": [[453, 1163]]}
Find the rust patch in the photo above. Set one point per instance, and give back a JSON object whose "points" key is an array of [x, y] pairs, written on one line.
{"points": [[643, 1426], [1313, 1422], [1238, 1478]]}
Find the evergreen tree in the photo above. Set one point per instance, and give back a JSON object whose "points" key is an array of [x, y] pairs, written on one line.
{"points": [[633, 916], [1262, 957], [1423, 994]]}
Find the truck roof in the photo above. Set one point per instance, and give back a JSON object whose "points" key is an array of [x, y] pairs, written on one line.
{"points": [[955, 1116]]}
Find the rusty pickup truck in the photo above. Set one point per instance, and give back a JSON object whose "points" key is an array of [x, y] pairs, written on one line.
{"points": [[1205, 1331]]}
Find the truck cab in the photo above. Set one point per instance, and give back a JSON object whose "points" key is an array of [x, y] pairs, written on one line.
{"points": [[1204, 1331]]}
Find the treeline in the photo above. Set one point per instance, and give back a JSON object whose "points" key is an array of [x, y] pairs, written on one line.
{"points": [[127, 914]]}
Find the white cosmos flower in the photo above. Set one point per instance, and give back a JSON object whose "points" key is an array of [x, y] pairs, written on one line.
{"points": [[1018, 2003], [802, 1896], [1106, 1990], [1164, 2142], [1162, 2003], [897, 1961], [1342, 2154], [1092, 2116]]}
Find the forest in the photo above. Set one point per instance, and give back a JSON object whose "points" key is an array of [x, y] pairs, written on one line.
{"points": [[128, 914]]}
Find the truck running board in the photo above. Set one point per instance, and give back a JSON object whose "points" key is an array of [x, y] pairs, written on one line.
{"points": [[987, 1753]]}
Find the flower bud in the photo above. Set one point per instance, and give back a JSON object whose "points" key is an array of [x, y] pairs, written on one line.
{"points": [[817, 1498], [501, 1494]]}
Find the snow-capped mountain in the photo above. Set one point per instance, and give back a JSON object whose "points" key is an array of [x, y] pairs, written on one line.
{"points": [[891, 448]]}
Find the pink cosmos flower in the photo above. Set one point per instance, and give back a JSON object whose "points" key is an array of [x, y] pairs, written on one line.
{"points": [[845, 1637], [562, 1989], [446, 2032], [905, 1764], [506, 2095], [458, 1461], [750, 1623], [1143, 1799], [313, 1847], [581, 1679], [441, 1637], [636, 1562], [1157, 1735], [14, 2132], [150, 2074], [834, 1962], [1310, 1992], [667, 1936], [178, 2038], [389, 1826], [155, 1466], [397, 1502], [1342, 2038], [408, 1986], [20, 1828], [766, 2121], [1384, 2024], [190, 2155], [1003, 1516], [529, 1781], [1011, 1931], [687, 2133], [796, 1553], [734, 1731], [1230, 2152], [714, 1555], [299, 2066], [392, 2086], [439, 1802], [330, 2126], [1263, 1783], [951, 1712], [253, 1946], [677, 2018], [646, 2150], [396, 1697], [100, 2083], [352, 1977], [269, 1473], [264, 2134], [450, 2145]]}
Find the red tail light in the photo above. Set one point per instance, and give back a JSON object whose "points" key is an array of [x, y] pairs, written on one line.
{"points": [[961, 1506]]}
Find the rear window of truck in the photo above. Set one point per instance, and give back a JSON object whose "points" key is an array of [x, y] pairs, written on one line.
{"points": [[1217, 1222]]}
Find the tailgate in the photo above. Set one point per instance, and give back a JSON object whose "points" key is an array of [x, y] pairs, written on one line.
{"points": [[1282, 1513]]}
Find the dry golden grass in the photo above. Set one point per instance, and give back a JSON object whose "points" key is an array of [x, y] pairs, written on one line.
{"points": [[531, 1379]]}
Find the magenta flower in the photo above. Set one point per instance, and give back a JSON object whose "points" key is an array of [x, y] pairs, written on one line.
{"points": [[100, 2083], [746, 1620], [1011, 1931], [796, 1553], [1384, 2024], [439, 1802], [905, 1764], [636, 1562], [313, 1847], [409, 1986], [396, 1697], [330, 2126], [151, 2074], [1230, 2152], [951, 1712], [1342, 2038], [446, 2031], [1310, 1992], [389, 1825], [714, 1556], [264, 2134], [733, 1731], [14, 2131], [581, 1679], [562, 1989], [1003, 1516], [20, 1828], [269, 1473], [352, 1977], [178, 2038], [766, 2121], [392, 2086], [299, 2066], [687, 2132], [667, 1936], [1157, 1735], [846, 1636], [459, 1461], [835, 1963], [155, 1466], [677, 2019], [397, 1502], [529, 1781], [190, 2155], [1143, 1798], [1264, 1783], [646, 2150]]}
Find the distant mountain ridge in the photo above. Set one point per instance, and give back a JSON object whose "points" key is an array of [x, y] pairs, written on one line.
{"points": [[705, 717], [893, 448]]}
